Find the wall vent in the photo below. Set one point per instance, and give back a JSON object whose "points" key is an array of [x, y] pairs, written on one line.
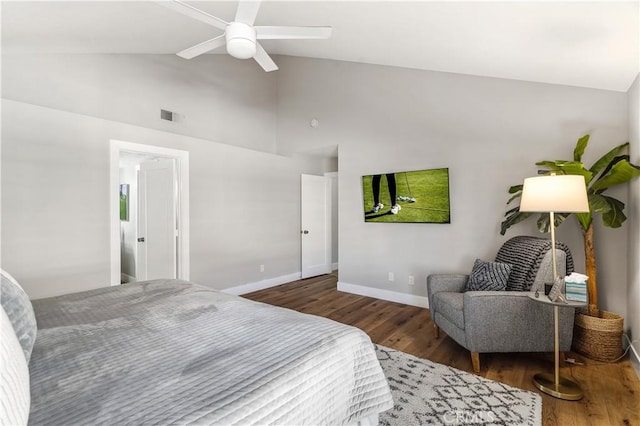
{"points": [[166, 115]]}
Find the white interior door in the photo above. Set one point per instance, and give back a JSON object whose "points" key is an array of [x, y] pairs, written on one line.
{"points": [[316, 226], [156, 220]]}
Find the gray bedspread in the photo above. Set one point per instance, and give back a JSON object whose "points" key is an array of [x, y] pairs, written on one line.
{"points": [[171, 352]]}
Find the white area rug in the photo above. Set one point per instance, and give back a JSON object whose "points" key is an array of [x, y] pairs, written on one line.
{"points": [[426, 393]]}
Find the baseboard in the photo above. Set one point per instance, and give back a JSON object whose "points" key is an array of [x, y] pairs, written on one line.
{"points": [[378, 293], [334, 266], [633, 357], [261, 285]]}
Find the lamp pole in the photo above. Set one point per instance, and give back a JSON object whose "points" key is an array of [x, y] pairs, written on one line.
{"points": [[556, 328], [565, 193]]}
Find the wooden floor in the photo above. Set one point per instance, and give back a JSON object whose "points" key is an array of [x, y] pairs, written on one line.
{"points": [[612, 391]]}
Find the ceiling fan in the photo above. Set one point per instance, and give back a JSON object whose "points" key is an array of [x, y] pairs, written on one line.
{"points": [[240, 36]]}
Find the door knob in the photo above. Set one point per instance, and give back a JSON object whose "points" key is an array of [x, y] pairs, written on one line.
{"points": [[304, 232], [141, 240]]}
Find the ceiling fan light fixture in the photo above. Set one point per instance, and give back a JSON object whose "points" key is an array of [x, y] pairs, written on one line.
{"points": [[241, 40], [240, 36]]}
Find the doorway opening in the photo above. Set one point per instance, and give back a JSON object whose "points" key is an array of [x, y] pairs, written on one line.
{"points": [[319, 211], [149, 212]]}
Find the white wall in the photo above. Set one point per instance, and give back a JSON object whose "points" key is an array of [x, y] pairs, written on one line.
{"points": [[245, 204], [488, 132], [633, 290], [218, 97], [59, 113]]}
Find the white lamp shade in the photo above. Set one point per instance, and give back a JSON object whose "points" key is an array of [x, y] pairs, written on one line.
{"points": [[555, 193]]}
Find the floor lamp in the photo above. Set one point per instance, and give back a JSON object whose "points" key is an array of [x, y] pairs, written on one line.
{"points": [[563, 194]]}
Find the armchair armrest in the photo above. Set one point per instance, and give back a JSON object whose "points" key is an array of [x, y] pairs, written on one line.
{"points": [[437, 283], [446, 282]]}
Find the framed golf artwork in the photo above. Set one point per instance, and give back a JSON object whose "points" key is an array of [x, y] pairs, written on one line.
{"points": [[419, 196]]}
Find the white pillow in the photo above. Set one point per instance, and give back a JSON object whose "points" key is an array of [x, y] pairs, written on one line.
{"points": [[10, 278], [19, 310], [15, 399]]}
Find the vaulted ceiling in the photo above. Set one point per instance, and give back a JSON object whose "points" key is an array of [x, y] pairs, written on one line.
{"points": [[580, 43]]}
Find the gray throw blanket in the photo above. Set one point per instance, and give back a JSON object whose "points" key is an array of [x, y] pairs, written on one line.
{"points": [[524, 254]]}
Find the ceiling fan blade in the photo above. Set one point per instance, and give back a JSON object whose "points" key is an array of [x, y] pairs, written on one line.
{"points": [[247, 11], [263, 59], [279, 33], [203, 47], [192, 12]]}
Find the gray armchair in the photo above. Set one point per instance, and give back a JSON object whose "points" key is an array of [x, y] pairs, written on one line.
{"points": [[504, 321]]}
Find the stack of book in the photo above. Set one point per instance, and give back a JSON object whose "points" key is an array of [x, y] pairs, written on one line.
{"points": [[576, 291]]}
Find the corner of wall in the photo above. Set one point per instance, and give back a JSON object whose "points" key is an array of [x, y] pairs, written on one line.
{"points": [[633, 286]]}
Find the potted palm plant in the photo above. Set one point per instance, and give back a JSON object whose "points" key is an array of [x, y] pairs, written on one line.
{"points": [[597, 333]]}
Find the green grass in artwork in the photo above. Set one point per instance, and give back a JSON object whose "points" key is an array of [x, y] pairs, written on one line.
{"points": [[429, 189], [124, 202], [123, 208]]}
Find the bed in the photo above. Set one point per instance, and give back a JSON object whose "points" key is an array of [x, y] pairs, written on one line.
{"points": [[173, 352]]}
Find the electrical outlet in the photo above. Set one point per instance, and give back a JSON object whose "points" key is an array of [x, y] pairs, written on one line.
{"points": [[261, 268], [411, 280], [391, 276]]}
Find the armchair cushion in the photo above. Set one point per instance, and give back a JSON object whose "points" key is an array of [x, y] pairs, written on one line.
{"points": [[487, 276], [509, 321]]}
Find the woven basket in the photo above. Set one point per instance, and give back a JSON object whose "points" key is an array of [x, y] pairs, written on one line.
{"points": [[598, 338]]}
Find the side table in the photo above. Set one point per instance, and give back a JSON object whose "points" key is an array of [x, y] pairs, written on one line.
{"points": [[554, 384]]}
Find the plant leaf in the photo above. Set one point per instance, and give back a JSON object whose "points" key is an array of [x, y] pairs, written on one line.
{"points": [[544, 220], [612, 163], [552, 165], [515, 189], [515, 209], [612, 169], [615, 217], [560, 218], [584, 219], [543, 223], [581, 145], [514, 216], [577, 168], [598, 204], [565, 168], [621, 172], [518, 195], [607, 158]]}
